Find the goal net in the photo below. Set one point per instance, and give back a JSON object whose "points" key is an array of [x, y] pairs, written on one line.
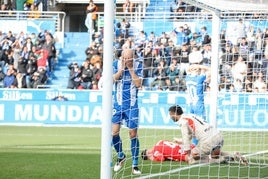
{"points": [[169, 36]]}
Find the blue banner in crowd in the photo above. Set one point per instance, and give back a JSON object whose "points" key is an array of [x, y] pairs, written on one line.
{"points": [[235, 111]]}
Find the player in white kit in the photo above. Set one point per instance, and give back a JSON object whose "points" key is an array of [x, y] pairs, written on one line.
{"points": [[210, 139]]}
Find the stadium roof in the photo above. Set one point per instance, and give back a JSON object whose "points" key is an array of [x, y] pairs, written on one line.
{"points": [[231, 5]]}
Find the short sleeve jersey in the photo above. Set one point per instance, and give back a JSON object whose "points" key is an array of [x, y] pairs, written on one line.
{"points": [[125, 91], [195, 87]]}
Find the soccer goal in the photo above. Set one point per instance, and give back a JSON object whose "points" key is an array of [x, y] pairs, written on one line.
{"points": [[231, 38]]}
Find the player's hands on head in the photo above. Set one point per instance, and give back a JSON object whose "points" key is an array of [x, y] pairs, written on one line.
{"points": [[127, 58]]}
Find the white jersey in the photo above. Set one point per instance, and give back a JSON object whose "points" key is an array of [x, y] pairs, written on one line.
{"points": [[194, 126]]}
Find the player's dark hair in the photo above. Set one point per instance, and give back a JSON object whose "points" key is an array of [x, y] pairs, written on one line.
{"points": [[143, 155], [176, 109]]}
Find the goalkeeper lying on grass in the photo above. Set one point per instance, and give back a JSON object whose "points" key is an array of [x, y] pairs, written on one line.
{"points": [[165, 150]]}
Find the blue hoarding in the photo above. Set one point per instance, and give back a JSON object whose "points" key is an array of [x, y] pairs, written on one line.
{"points": [[235, 110]]}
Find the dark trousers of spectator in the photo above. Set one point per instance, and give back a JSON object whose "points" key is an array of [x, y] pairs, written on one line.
{"points": [[50, 61]]}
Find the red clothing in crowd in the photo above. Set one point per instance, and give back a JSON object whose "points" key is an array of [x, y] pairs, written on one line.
{"points": [[42, 58]]}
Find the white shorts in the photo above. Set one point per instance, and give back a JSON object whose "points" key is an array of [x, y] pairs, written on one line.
{"points": [[210, 144]]}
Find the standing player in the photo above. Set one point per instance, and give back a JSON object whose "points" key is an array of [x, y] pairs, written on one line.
{"points": [[195, 78], [210, 140], [165, 150], [127, 80]]}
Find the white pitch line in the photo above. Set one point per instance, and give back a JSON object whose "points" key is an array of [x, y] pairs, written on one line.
{"points": [[192, 166], [44, 135], [257, 153], [48, 147]]}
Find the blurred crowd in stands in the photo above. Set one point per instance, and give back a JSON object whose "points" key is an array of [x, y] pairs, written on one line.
{"points": [[243, 60], [24, 5], [26, 61]]}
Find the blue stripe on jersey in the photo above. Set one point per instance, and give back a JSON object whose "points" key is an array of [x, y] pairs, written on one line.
{"points": [[195, 87], [125, 91]]}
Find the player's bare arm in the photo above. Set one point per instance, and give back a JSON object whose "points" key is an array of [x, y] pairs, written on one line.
{"points": [[117, 75], [135, 78]]}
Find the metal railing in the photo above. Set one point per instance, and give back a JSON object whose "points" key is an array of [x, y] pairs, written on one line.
{"points": [[58, 16]]}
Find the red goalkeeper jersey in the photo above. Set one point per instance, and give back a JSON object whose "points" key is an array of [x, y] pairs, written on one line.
{"points": [[166, 150]]}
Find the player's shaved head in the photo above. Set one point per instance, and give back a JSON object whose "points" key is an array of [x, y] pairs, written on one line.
{"points": [[127, 53]]}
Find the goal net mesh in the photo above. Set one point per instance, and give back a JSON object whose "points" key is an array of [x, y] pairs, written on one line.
{"points": [[164, 36]]}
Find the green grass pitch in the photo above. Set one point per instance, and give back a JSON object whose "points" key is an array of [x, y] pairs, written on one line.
{"points": [[74, 152]]}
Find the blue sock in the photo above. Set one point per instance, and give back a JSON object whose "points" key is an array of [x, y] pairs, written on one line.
{"points": [[194, 141], [135, 146], [117, 143]]}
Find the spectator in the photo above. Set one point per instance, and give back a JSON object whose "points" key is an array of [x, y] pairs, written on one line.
{"points": [[20, 81], [9, 78], [141, 39], [128, 6], [240, 31], [2, 76], [181, 38], [207, 55], [148, 62], [259, 84], [23, 60], [206, 39], [11, 37], [188, 33], [34, 13], [238, 86], [239, 69], [16, 46], [74, 76], [97, 71], [173, 71], [10, 59], [152, 38], [195, 56], [49, 46], [124, 28], [243, 47], [87, 75], [43, 75], [35, 80], [159, 75], [27, 43], [91, 17], [42, 56], [20, 5], [59, 98], [183, 59]]}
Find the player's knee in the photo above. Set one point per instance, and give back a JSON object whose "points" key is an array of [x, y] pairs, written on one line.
{"points": [[133, 134]]}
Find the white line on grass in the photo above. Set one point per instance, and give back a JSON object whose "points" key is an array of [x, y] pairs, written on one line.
{"points": [[192, 166], [43, 135], [50, 147]]}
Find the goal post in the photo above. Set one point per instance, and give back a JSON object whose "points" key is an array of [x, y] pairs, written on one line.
{"points": [[106, 150]]}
